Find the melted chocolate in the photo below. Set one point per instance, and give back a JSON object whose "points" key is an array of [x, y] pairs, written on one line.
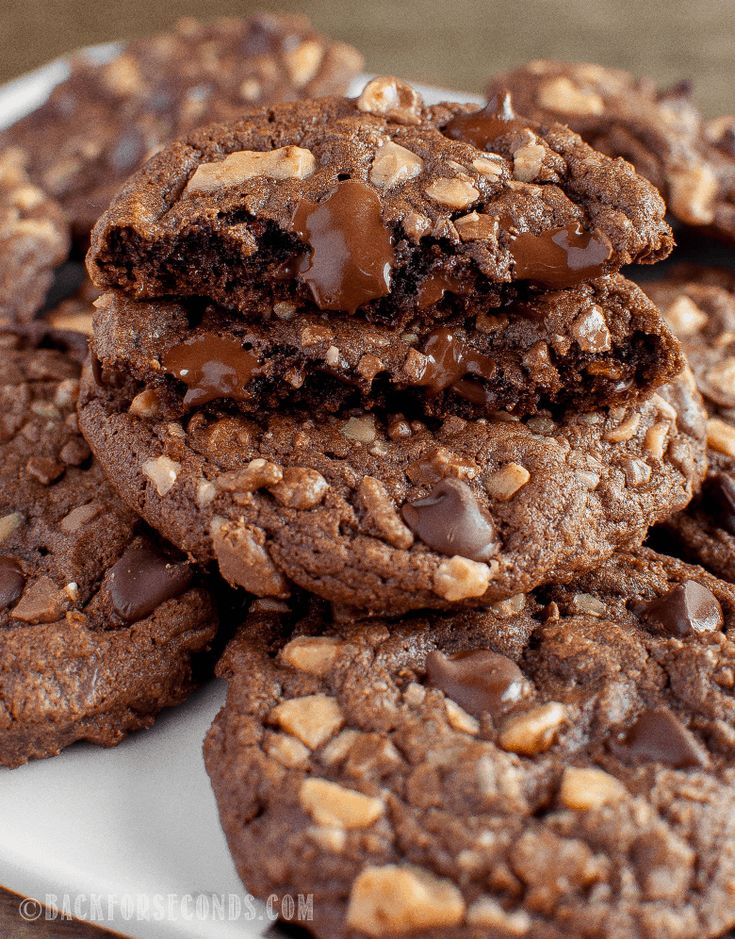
{"points": [[434, 287], [351, 256], [144, 578], [560, 257], [480, 681], [451, 521], [211, 367], [12, 582], [658, 736], [450, 360], [688, 608], [482, 128], [719, 501]]}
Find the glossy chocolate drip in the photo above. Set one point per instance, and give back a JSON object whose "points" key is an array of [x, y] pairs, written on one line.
{"points": [[12, 582], [658, 736], [560, 257], [144, 578], [449, 361], [435, 286], [687, 608], [482, 128], [719, 501], [480, 681], [451, 520], [211, 367], [351, 256]]}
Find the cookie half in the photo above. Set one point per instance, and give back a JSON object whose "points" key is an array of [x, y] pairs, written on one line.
{"points": [[602, 343], [691, 161], [385, 513], [378, 204], [104, 120], [559, 766], [100, 620], [699, 304], [34, 239]]}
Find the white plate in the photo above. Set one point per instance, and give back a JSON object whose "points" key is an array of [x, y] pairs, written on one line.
{"points": [[111, 833]]}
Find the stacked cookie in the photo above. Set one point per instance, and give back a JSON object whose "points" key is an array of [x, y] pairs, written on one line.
{"points": [[376, 361]]}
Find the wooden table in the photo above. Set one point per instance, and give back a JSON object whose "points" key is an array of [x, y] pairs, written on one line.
{"points": [[456, 43]]}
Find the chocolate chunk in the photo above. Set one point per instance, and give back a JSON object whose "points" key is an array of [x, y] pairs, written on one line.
{"points": [[211, 367], [719, 501], [481, 128], [658, 736], [479, 680], [351, 254], [450, 520], [688, 608], [449, 361], [560, 257], [12, 582], [434, 287], [144, 578]]}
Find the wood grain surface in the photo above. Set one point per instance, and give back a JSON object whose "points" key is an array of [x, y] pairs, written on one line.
{"points": [[456, 43]]}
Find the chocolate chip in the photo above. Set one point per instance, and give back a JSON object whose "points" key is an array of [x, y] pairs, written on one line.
{"points": [[12, 582], [479, 680], [482, 128], [44, 470], [658, 736], [688, 608], [450, 520], [211, 367], [719, 501], [561, 257], [144, 578], [449, 359], [351, 254]]}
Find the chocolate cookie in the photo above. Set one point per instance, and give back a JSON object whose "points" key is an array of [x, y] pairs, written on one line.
{"points": [[557, 766], [34, 239], [74, 312], [377, 204], [103, 121], [699, 304], [390, 513], [99, 618], [583, 347], [691, 162]]}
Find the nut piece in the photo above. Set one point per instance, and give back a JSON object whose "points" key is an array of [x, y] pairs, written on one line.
{"points": [[145, 404], [535, 731], [402, 899], [8, 524], [311, 654], [721, 436], [302, 62], [80, 516], [506, 482], [331, 804], [587, 604], [42, 602], [476, 227], [488, 913], [391, 98], [300, 488], [490, 165], [454, 193], [394, 164], [258, 474], [459, 719], [591, 332], [243, 559], [561, 94], [287, 750], [625, 429], [685, 317], [361, 429], [162, 472], [381, 511], [528, 160], [692, 193], [458, 578], [720, 379], [312, 719], [655, 442], [283, 163], [584, 788]]}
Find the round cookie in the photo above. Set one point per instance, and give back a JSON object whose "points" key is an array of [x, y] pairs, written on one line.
{"points": [[598, 343], [34, 239], [388, 513], [699, 304], [375, 204], [100, 620], [690, 161], [104, 120], [559, 766]]}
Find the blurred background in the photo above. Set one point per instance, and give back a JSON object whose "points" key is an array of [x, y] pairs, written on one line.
{"points": [[456, 43]]}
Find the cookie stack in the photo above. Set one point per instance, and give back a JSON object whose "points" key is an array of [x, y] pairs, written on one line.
{"points": [[375, 360]]}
